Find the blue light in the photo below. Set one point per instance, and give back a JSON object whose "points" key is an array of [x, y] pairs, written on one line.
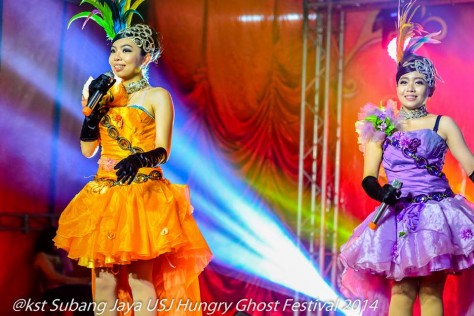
{"points": [[241, 229], [243, 233]]}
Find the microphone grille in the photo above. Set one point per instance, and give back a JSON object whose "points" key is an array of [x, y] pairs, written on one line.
{"points": [[397, 184], [109, 74]]}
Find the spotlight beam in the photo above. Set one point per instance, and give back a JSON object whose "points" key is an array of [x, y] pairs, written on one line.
{"points": [[241, 229]]}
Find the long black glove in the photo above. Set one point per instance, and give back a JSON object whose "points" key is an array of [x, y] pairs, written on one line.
{"points": [[90, 126], [128, 167], [386, 194]]}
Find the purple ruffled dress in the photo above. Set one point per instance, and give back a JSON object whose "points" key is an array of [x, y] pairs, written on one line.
{"points": [[429, 230]]}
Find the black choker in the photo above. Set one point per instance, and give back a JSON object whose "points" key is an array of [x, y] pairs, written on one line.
{"points": [[136, 86], [413, 114]]}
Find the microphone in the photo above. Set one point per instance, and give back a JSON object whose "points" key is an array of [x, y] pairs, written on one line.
{"points": [[95, 98], [383, 207]]}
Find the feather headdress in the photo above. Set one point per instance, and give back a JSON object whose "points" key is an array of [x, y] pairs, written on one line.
{"points": [[112, 15], [409, 30], [416, 36], [115, 17]]}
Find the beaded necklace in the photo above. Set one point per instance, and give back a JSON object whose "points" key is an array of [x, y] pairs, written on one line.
{"points": [[136, 86], [413, 114]]}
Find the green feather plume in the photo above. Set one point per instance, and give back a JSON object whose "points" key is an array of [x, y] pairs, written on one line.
{"points": [[112, 15]]}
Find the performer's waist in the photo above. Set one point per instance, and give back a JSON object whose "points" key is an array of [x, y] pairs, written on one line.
{"points": [[432, 196], [145, 174]]}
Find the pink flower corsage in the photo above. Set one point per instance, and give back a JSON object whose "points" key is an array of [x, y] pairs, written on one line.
{"points": [[376, 122]]}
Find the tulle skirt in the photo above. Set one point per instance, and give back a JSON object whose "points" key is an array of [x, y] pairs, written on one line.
{"points": [[412, 240], [109, 226]]}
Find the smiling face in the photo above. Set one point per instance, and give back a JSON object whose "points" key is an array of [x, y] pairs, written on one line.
{"points": [[412, 90], [126, 60]]}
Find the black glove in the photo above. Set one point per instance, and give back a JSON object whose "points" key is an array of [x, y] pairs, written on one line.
{"points": [[128, 167], [386, 194], [90, 126], [101, 83]]}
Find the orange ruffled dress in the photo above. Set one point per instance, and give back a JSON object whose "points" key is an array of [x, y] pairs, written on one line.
{"points": [[108, 223]]}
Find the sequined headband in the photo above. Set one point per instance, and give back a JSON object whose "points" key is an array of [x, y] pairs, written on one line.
{"points": [[142, 36], [425, 67]]}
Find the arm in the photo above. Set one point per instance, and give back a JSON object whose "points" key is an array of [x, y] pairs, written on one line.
{"points": [[372, 160], [162, 106], [89, 148], [90, 126], [46, 267], [455, 140]]}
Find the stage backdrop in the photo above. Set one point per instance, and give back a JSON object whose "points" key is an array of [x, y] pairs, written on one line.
{"points": [[235, 68]]}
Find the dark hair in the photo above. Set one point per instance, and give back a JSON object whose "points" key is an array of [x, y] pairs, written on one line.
{"points": [[406, 66], [44, 242]]}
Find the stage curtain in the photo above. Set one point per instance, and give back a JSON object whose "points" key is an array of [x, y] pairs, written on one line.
{"points": [[237, 66]]}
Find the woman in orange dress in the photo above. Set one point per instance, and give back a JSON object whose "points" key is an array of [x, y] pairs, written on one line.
{"points": [[129, 222]]}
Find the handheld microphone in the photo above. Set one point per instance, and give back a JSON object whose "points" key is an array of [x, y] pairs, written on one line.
{"points": [[95, 98], [396, 184]]}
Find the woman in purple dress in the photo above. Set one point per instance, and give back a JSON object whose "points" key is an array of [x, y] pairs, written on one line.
{"points": [[427, 231]]}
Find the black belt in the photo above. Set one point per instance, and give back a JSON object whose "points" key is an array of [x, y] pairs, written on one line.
{"points": [[435, 196]]}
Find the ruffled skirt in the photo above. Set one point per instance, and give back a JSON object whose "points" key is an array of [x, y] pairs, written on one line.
{"points": [[106, 226], [412, 240]]}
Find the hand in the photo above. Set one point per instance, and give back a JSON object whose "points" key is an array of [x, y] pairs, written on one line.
{"points": [[127, 169], [101, 83], [388, 194]]}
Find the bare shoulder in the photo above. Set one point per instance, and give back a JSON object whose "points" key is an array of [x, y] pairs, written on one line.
{"points": [[447, 122], [160, 99], [447, 127], [159, 93]]}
